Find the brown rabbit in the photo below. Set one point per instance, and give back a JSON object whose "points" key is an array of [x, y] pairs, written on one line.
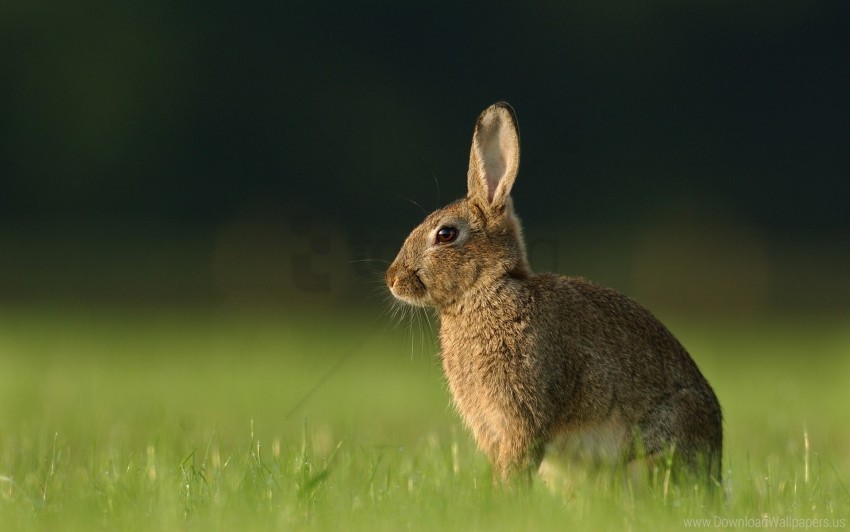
{"points": [[535, 360]]}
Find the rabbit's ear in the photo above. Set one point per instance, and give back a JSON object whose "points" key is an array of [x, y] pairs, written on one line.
{"points": [[494, 158]]}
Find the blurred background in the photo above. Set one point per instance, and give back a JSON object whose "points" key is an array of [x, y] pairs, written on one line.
{"points": [[694, 155]]}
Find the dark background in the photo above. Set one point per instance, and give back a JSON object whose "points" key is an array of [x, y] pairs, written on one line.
{"points": [[692, 154]]}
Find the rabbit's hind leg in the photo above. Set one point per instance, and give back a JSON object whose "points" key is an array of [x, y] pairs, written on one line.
{"points": [[682, 432]]}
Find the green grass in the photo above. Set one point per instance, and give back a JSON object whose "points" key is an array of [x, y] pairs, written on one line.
{"points": [[164, 420]]}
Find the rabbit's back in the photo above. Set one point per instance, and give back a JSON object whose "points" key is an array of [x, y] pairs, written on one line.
{"points": [[624, 358], [615, 344]]}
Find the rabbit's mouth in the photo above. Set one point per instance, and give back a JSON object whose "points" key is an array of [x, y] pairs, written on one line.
{"points": [[406, 285]]}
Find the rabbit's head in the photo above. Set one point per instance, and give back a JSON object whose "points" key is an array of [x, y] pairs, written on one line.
{"points": [[467, 246]]}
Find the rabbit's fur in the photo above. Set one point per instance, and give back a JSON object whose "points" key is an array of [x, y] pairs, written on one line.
{"points": [[536, 360]]}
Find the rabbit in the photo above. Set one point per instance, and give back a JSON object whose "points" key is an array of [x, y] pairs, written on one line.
{"points": [[532, 360]]}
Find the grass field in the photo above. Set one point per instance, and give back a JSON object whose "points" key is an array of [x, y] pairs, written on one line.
{"points": [[193, 420]]}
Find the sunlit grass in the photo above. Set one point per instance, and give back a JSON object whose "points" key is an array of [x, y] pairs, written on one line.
{"points": [[160, 420]]}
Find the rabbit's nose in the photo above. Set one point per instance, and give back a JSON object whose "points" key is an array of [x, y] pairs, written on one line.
{"points": [[392, 276]]}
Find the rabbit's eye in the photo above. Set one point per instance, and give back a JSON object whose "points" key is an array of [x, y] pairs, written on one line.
{"points": [[446, 235]]}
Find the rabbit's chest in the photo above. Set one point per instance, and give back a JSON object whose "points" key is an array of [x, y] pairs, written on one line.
{"points": [[491, 373], [484, 389]]}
